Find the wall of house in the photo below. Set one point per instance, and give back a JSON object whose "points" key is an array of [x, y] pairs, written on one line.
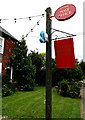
{"points": [[8, 49], [0, 67], [0, 63]]}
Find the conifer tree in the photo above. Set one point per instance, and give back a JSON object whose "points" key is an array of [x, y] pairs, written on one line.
{"points": [[23, 70]]}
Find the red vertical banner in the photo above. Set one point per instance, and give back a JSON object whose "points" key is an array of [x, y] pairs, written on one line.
{"points": [[64, 53]]}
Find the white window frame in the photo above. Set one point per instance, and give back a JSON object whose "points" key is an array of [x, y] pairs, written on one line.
{"points": [[2, 46]]}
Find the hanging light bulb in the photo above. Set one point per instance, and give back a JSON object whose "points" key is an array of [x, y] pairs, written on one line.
{"points": [[26, 35], [37, 23], [0, 20], [43, 15], [15, 20], [23, 37], [31, 30], [29, 18]]}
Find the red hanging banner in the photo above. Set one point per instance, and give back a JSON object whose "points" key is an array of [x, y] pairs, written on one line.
{"points": [[64, 53]]}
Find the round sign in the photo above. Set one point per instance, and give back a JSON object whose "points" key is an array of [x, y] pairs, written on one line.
{"points": [[65, 12]]}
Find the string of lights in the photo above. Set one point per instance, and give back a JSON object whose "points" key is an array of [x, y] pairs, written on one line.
{"points": [[37, 23], [33, 27], [15, 19], [41, 16]]}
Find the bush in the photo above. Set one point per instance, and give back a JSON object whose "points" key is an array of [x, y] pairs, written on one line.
{"points": [[7, 86], [7, 90], [70, 89], [68, 74], [74, 89], [38, 62], [41, 77], [24, 72], [64, 87], [26, 88], [5, 79]]}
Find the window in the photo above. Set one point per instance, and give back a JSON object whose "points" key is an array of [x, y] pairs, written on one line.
{"points": [[1, 45]]}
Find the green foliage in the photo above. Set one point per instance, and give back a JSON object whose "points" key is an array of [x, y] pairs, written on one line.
{"points": [[7, 87], [41, 79], [5, 79], [43, 55], [74, 89], [31, 105], [77, 72], [70, 89], [23, 70], [7, 90], [37, 60], [69, 74], [68, 80], [64, 87], [82, 64]]}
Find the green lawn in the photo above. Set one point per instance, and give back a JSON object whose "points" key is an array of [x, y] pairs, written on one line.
{"points": [[31, 105]]}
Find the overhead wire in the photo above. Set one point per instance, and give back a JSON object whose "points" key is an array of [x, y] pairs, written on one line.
{"points": [[54, 30], [15, 19], [36, 36], [33, 27]]}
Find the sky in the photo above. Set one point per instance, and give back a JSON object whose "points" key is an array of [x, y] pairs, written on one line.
{"points": [[11, 9]]}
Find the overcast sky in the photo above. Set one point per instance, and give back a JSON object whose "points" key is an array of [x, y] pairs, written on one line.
{"points": [[11, 9]]}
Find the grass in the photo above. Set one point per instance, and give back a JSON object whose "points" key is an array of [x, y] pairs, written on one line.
{"points": [[31, 105]]}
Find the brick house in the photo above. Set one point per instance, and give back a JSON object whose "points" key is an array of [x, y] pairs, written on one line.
{"points": [[7, 43]]}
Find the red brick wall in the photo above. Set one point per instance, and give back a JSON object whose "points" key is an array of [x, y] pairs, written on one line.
{"points": [[4, 62], [8, 49]]}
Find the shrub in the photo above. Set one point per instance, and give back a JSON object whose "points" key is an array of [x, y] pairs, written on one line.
{"points": [[70, 89], [5, 79], [7, 90], [69, 74], [26, 88], [7, 86], [41, 77], [64, 87], [74, 89], [24, 72]]}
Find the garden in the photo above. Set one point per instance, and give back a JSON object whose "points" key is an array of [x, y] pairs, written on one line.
{"points": [[32, 105], [24, 96]]}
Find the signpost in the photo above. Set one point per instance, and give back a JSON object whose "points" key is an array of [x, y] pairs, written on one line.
{"points": [[63, 13], [48, 67]]}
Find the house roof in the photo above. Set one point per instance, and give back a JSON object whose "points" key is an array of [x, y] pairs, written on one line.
{"points": [[7, 33]]}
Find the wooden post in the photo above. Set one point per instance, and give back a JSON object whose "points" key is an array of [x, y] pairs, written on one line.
{"points": [[48, 67]]}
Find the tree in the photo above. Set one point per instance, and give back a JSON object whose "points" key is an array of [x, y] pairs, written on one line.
{"points": [[76, 61], [43, 58], [37, 60], [69, 74], [23, 69], [82, 64]]}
